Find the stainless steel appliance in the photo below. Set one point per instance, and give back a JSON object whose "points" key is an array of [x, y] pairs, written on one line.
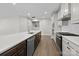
{"points": [[59, 41], [30, 46]]}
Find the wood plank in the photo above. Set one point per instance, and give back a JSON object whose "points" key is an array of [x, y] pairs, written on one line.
{"points": [[47, 47]]}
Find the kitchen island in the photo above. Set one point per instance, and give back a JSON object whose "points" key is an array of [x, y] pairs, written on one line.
{"points": [[16, 44]]}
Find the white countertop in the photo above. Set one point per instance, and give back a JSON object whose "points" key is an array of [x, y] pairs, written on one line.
{"points": [[66, 31], [74, 39], [8, 41]]}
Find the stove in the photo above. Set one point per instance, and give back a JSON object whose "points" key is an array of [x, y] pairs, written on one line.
{"points": [[59, 38]]}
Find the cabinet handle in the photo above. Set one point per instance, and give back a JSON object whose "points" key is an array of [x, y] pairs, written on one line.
{"points": [[68, 47], [67, 42]]}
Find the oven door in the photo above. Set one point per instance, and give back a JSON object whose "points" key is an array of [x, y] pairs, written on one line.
{"points": [[59, 42]]}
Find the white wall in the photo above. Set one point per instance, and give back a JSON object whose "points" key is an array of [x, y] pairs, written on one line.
{"points": [[9, 26], [45, 26], [25, 24], [16, 25], [13, 25]]}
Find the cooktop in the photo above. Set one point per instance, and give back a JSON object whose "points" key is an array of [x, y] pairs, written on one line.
{"points": [[67, 34]]}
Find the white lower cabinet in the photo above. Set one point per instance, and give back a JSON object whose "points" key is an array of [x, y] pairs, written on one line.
{"points": [[65, 49], [69, 48], [73, 52]]}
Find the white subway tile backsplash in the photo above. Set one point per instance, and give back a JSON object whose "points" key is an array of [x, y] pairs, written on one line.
{"points": [[74, 28]]}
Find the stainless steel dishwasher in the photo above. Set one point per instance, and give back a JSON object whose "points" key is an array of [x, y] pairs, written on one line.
{"points": [[30, 46]]}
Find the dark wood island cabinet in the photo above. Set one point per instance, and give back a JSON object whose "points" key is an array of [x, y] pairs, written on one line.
{"points": [[18, 50], [37, 40], [21, 48]]}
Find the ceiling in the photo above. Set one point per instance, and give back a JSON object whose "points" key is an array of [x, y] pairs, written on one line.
{"points": [[39, 10]]}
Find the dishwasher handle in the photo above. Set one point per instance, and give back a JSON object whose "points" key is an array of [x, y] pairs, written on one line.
{"points": [[30, 39]]}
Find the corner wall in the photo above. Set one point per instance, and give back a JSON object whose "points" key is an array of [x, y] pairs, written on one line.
{"points": [[45, 27]]}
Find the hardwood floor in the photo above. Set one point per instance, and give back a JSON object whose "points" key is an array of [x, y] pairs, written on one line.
{"points": [[46, 47]]}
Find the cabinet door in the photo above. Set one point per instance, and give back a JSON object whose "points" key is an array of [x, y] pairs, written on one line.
{"points": [[21, 49], [22, 52], [16, 50], [73, 52], [9, 52], [74, 49], [63, 11], [65, 49], [37, 40], [74, 12], [69, 48]]}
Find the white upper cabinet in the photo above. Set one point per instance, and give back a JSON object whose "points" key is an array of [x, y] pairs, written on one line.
{"points": [[64, 11], [75, 13]]}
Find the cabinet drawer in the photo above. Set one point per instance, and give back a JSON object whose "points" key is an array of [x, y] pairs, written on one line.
{"points": [[65, 49], [74, 49], [74, 46]]}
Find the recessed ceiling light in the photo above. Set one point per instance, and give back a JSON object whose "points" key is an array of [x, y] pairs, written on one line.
{"points": [[45, 12], [66, 10], [28, 14], [13, 3]]}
